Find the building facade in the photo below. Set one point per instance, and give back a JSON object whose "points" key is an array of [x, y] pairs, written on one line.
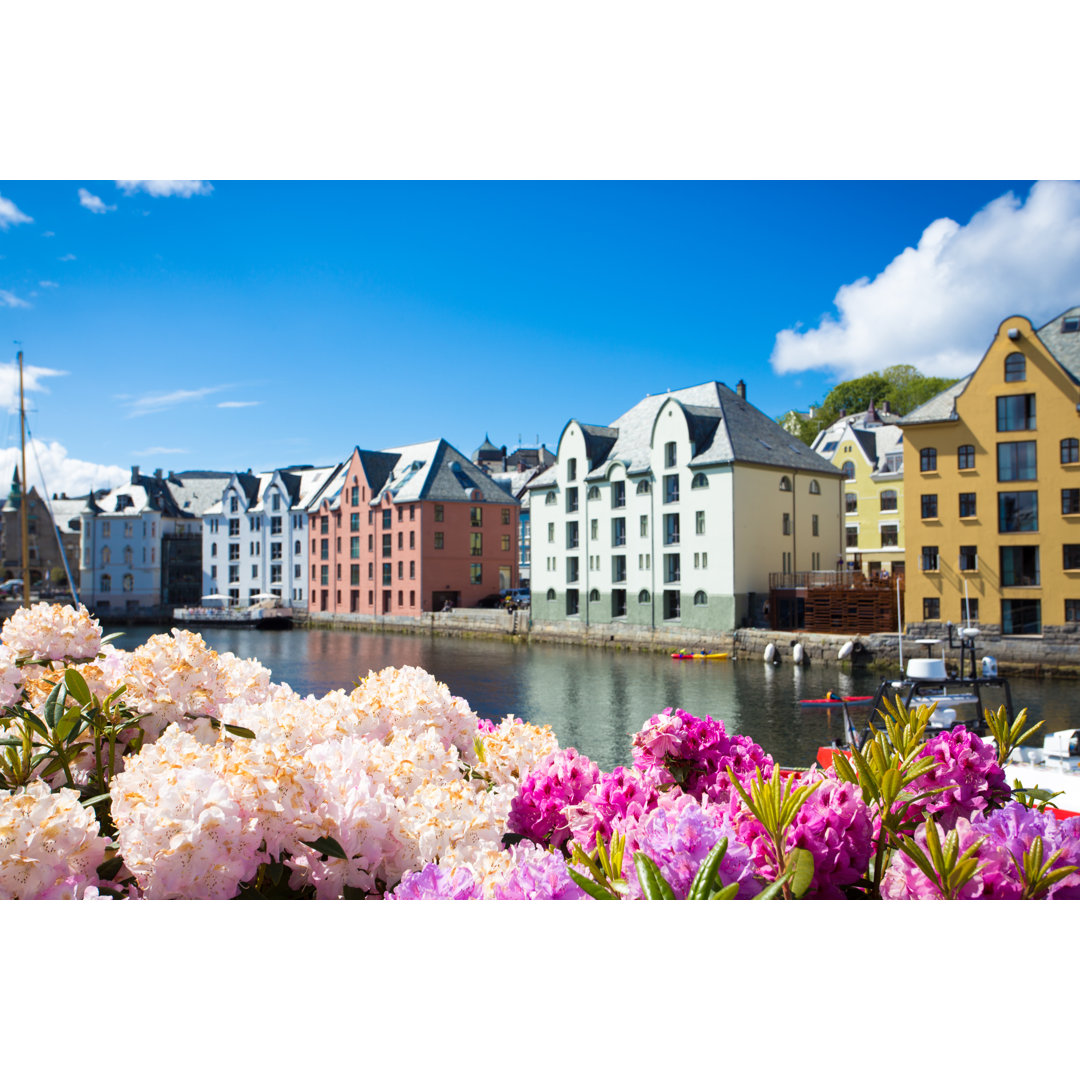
{"points": [[46, 521], [993, 472], [255, 536], [678, 513], [868, 448], [409, 530]]}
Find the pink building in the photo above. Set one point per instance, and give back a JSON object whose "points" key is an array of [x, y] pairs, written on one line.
{"points": [[409, 530]]}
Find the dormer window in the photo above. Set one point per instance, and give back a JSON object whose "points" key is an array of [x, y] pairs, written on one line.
{"points": [[1070, 324], [1015, 367]]}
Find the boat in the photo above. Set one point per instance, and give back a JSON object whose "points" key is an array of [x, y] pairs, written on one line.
{"points": [[700, 656], [835, 701], [264, 614], [1054, 767]]}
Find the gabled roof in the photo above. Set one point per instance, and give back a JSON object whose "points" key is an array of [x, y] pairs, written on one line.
{"points": [[1065, 348], [938, 408], [438, 472]]}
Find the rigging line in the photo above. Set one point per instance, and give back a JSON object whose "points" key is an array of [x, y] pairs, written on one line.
{"points": [[52, 516]]}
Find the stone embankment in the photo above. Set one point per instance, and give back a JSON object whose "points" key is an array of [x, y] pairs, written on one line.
{"points": [[1056, 651]]}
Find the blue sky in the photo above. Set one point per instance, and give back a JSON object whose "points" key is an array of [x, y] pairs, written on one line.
{"points": [[231, 324]]}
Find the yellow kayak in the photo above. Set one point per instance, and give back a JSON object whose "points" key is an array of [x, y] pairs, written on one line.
{"points": [[700, 656]]}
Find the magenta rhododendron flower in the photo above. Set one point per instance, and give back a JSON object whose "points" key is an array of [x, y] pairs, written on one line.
{"points": [[539, 875], [969, 767], [435, 882], [617, 801], [675, 748], [678, 835], [561, 780]]}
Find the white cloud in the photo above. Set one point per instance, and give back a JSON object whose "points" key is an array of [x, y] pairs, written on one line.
{"points": [[10, 214], [9, 299], [154, 451], [32, 376], [937, 305], [93, 203], [62, 474], [237, 404], [164, 188], [158, 402], [49, 284], [67, 258]]}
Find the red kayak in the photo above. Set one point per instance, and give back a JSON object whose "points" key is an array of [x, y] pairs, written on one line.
{"points": [[834, 702]]}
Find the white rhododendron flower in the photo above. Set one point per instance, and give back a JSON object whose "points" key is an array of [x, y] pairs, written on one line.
{"points": [[11, 677], [512, 750], [49, 844], [52, 632]]}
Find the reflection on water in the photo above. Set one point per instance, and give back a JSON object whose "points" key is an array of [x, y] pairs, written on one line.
{"points": [[592, 698]]}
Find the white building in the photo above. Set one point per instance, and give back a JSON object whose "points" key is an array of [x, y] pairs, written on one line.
{"points": [[140, 542], [677, 514], [255, 539]]}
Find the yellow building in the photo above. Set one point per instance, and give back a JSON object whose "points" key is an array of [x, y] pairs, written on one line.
{"points": [[868, 448], [993, 468]]}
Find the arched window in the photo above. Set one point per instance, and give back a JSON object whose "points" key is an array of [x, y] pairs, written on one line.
{"points": [[1070, 451], [129, 583], [594, 493], [551, 594], [700, 598], [1015, 367], [643, 487], [213, 549], [127, 556], [550, 498], [815, 488], [785, 483], [700, 481], [888, 500], [643, 596], [849, 470], [965, 456], [594, 595], [106, 583], [106, 554]]}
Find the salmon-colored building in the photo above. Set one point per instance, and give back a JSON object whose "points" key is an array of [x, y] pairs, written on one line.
{"points": [[409, 530]]}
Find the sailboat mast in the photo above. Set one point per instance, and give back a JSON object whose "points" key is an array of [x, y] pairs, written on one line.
{"points": [[25, 493]]}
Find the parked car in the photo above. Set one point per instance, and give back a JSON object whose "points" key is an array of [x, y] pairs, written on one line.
{"points": [[489, 601], [520, 597]]}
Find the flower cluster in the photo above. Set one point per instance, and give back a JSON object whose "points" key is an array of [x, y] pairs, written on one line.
{"points": [[539, 809], [967, 769], [616, 801], [52, 632]]}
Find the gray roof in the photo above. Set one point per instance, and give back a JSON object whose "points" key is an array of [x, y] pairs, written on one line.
{"points": [[194, 492], [938, 408], [1065, 348]]}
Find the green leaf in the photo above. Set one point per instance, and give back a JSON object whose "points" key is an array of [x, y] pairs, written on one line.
{"points": [[232, 729], [96, 799], [327, 846], [594, 890], [110, 867], [653, 885], [54, 704], [803, 874], [76, 686], [705, 879], [729, 892]]}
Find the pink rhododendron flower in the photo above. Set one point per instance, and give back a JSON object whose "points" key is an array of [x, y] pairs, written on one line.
{"points": [[538, 811], [616, 801], [538, 874], [435, 882]]}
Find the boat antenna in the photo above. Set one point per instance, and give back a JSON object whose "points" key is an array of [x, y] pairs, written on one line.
{"points": [[899, 626], [25, 507]]}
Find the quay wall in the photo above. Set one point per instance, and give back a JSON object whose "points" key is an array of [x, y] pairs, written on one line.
{"points": [[1056, 651]]}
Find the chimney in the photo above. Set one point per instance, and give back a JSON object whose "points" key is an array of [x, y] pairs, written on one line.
{"points": [[134, 474], [740, 389], [172, 477], [813, 412], [886, 407], [157, 474], [843, 412]]}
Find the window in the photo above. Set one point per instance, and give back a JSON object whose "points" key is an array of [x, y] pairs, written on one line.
{"points": [[1070, 451], [213, 549], [643, 524], [387, 544], [643, 596], [234, 573], [354, 523], [815, 488], [234, 552], [671, 528], [571, 601], [504, 542], [618, 567], [1016, 412], [700, 481], [813, 525], [400, 570], [851, 502], [699, 523], [618, 494], [931, 608], [233, 505], [848, 470], [1070, 325], [354, 548], [1019, 566], [969, 609], [928, 459], [672, 604], [1070, 500], [275, 526], [1018, 511], [1021, 617], [930, 558], [1015, 367], [439, 541], [890, 535], [785, 484], [594, 596], [105, 527], [439, 511], [618, 603], [618, 532], [672, 568], [504, 515], [571, 534], [1072, 610], [969, 557], [476, 516], [324, 525], [888, 500], [549, 500], [275, 550], [643, 487], [400, 517], [106, 583], [594, 529], [786, 524], [476, 543], [1016, 461], [551, 594], [965, 457], [1071, 556], [671, 489], [572, 569], [967, 504], [234, 526], [275, 574], [851, 536], [571, 500], [669, 455], [701, 598], [929, 506], [571, 469]]}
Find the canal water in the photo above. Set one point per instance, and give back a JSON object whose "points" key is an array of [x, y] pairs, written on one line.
{"points": [[594, 699]]}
